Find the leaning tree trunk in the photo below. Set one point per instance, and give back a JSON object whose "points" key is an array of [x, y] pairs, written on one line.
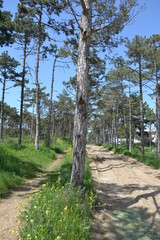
{"points": [[22, 93], [2, 108], [51, 104], [141, 108], [80, 120], [37, 86]]}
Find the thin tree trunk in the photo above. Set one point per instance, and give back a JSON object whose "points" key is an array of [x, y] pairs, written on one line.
{"points": [[37, 85], [150, 137], [115, 131], [32, 123], [124, 116], [130, 119], [22, 93], [51, 104], [80, 120], [141, 107], [2, 108], [157, 149]]}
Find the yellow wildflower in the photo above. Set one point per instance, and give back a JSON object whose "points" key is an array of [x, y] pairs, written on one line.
{"points": [[65, 208], [13, 231], [58, 238], [47, 212]]}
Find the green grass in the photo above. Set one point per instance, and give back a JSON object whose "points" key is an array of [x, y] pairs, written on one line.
{"points": [[149, 159], [18, 164], [59, 211]]}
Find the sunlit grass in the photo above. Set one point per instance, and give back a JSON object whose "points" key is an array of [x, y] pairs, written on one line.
{"points": [[17, 164]]}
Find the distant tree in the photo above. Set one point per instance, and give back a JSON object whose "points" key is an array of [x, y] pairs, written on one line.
{"points": [[57, 54], [63, 115], [37, 9], [8, 72], [29, 102], [137, 50], [153, 58], [25, 31]]}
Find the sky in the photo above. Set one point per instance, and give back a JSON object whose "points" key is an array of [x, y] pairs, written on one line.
{"points": [[145, 24]]}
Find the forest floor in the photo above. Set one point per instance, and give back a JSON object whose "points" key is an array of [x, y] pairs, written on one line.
{"points": [[128, 197], [12, 204]]}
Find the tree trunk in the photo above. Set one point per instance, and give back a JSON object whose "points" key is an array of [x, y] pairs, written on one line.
{"points": [[130, 119], [32, 123], [51, 104], [150, 137], [157, 150], [22, 93], [141, 108], [124, 116], [2, 108], [37, 85], [80, 120]]}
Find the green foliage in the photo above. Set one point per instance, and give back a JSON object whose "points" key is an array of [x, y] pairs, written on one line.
{"points": [[6, 27], [58, 211], [149, 159]]}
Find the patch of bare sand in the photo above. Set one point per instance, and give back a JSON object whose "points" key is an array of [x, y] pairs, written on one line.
{"points": [[9, 206], [122, 183]]}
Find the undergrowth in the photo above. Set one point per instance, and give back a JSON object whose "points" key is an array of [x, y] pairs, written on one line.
{"points": [[59, 211], [149, 159], [17, 164]]}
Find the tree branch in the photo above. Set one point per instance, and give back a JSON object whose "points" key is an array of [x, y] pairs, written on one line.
{"points": [[73, 12], [84, 6]]}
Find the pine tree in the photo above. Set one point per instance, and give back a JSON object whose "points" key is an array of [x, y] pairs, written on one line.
{"points": [[25, 32], [136, 52], [99, 21], [8, 72]]}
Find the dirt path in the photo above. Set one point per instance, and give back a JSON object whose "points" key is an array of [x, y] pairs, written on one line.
{"points": [[128, 197], [9, 206]]}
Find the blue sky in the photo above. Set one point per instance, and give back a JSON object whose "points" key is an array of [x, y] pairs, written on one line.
{"points": [[145, 24]]}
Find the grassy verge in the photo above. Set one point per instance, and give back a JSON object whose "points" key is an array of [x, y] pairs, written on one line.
{"points": [[149, 159], [58, 211], [17, 164]]}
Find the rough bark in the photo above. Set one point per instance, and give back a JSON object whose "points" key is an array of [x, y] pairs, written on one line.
{"points": [[51, 104], [80, 120], [22, 93], [37, 85], [2, 108], [141, 107]]}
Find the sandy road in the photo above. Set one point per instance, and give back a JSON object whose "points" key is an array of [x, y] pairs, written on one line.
{"points": [[9, 206], [123, 184]]}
